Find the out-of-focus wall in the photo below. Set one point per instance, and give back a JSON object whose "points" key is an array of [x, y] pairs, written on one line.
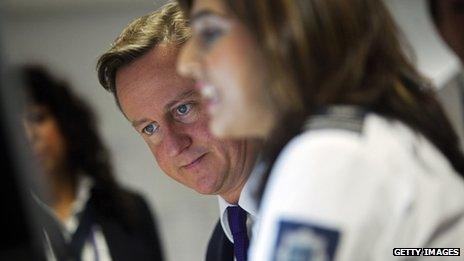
{"points": [[68, 40], [433, 57]]}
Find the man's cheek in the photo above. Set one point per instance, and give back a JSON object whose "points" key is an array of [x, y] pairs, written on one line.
{"points": [[160, 160]]}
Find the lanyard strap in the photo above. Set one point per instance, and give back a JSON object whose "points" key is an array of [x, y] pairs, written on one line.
{"points": [[62, 249]]}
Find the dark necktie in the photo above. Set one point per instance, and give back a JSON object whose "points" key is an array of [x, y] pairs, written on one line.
{"points": [[237, 223]]}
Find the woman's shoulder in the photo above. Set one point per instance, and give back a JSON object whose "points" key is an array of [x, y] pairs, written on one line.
{"points": [[133, 195], [135, 200], [374, 145], [368, 132], [120, 202], [343, 127], [330, 136]]}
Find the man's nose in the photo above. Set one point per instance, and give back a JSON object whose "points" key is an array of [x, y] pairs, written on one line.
{"points": [[176, 141]]}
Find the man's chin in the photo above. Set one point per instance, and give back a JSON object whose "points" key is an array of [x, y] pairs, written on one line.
{"points": [[206, 191], [206, 188]]}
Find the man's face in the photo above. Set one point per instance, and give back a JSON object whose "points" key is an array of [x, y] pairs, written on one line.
{"points": [[166, 111]]}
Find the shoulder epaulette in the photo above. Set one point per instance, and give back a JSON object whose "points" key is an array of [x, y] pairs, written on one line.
{"points": [[337, 117]]}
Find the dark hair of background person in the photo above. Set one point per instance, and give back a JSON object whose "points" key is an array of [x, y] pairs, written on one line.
{"points": [[333, 52], [85, 150], [433, 8], [448, 17], [435, 12]]}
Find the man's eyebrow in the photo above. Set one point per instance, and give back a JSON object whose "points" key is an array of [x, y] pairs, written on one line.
{"points": [[136, 123], [180, 97]]}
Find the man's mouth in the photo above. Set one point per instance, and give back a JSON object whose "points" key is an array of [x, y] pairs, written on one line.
{"points": [[194, 162]]}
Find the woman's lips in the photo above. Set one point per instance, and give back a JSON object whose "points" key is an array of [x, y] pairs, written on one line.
{"points": [[209, 94]]}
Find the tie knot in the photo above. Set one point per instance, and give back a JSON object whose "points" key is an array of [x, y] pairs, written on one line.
{"points": [[237, 219]]}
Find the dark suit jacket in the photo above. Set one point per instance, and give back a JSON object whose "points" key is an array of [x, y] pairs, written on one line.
{"points": [[131, 234], [140, 241], [219, 246]]}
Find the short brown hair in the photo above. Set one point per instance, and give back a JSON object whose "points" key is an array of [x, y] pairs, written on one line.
{"points": [[166, 25]]}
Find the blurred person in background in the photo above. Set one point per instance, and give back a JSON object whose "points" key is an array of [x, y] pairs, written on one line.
{"points": [[87, 215], [166, 111], [448, 16], [359, 157]]}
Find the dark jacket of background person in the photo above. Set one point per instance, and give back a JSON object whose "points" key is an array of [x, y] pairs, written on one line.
{"points": [[138, 242], [124, 218]]}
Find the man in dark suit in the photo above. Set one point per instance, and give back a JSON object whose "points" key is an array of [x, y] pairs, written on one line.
{"points": [[166, 110]]}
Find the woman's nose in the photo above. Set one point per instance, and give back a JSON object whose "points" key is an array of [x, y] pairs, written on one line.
{"points": [[30, 130], [188, 64]]}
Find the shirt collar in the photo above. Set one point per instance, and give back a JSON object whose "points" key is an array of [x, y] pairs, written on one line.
{"points": [[84, 185], [246, 202]]}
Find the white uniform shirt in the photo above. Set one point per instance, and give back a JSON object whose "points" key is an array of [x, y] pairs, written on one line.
{"points": [[336, 194], [95, 247]]}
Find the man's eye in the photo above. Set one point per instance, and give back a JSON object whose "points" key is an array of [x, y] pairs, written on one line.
{"points": [[150, 129], [183, 109]]}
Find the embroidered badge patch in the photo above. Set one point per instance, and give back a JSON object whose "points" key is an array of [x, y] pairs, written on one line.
{"points": [[297, 241]]}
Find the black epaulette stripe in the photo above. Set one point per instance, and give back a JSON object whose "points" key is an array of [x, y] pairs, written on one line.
{"points": [[337, 117]]}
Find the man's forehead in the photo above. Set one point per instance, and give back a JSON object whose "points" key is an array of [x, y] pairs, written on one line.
{"points": [[151, 84], [159, 62]]}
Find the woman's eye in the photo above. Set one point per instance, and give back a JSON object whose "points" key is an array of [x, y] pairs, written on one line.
{"points": [[183, 109], [209, 35], [36, 117], [150, 129]]}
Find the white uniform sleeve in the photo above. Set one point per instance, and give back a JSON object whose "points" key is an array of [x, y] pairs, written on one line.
{"points": [[324, 201]]}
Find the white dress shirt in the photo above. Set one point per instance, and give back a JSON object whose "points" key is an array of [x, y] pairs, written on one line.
{"points": [[247, 202], [95, 247]]}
